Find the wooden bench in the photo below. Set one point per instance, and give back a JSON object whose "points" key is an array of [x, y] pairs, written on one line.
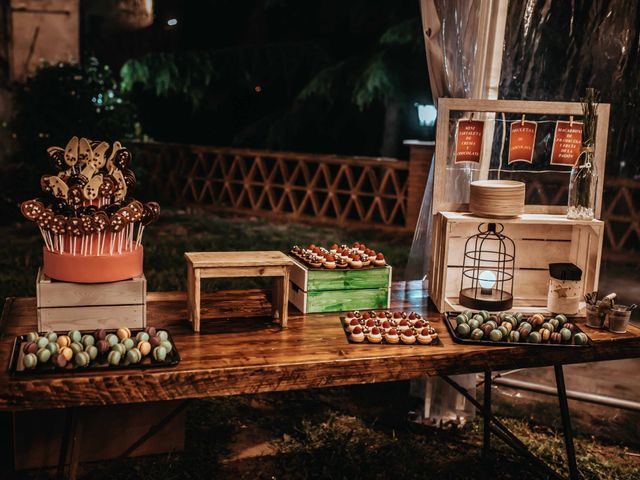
{"points": [[238, 264]]}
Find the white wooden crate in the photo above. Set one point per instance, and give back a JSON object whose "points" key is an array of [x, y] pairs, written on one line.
{"points": [[86, 306], [540, 239]]}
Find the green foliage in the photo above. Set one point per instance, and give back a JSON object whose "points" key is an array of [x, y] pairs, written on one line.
{"points": [[383, 77], [407, 33], [377, 82], [192, 74], [63, 100]]}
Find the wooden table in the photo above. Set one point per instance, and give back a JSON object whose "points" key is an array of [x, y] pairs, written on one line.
{"points": [[238, 264], [239, 354]]}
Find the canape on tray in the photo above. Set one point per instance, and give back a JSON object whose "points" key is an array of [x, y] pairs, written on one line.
{"points": [[388, 327], [339, 256]]}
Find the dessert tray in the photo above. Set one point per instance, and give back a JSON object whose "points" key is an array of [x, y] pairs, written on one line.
{"points": [[389, 328], [511, 329], [82, 351], [92, 229], [340, 257]]}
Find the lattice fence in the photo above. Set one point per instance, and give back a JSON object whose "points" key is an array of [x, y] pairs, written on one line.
{"points": [[320, 188], [360, 191]]}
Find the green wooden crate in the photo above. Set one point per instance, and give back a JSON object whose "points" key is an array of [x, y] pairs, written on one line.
{"points": [[315, 291]]}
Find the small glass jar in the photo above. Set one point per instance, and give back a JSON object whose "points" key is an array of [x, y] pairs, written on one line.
{"points": [[619, 317], [565, 288], [596, 316]]}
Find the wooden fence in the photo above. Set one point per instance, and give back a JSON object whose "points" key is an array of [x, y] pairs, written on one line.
{"points": [[331, 189], [351, 191]]}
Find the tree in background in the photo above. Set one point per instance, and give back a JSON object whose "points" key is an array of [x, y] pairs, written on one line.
{"points": [[329, 77], [54, 104]]}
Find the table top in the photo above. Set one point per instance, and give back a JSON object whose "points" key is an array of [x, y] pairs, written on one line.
{"points": [[237, 353], [238, 259]]}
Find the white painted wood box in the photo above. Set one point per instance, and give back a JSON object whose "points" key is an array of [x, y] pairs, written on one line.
{"points": [[87, 306], [540, 239]]}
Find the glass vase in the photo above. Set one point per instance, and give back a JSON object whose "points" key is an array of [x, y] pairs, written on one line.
{"points": [[582, 187]]}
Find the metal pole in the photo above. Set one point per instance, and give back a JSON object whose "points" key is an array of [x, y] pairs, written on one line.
{"points": [[566, 423], [486, 410], [499, 429], [571, 394]]}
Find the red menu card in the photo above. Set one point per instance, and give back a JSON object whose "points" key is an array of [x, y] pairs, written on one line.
{"points": [[522, 139], [566, 143], [469, 141]]}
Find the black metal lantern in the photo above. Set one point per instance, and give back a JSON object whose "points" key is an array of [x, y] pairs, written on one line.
{"points": [[487, 270]]}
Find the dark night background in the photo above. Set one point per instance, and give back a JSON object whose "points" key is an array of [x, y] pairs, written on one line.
{"points": [[234, 73]]}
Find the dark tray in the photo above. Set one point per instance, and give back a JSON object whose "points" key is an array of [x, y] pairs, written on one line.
{"points": [[100, 364], [449, 320], [309, 267], [435, 343]]}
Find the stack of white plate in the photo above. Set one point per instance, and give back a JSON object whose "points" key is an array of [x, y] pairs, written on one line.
{"points": [[497, 198]]}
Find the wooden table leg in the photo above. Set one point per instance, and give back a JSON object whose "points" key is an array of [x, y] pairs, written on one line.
{"points": [[190, 293], [284, 306], [275, 298], [574, 473], [196, 301], [70, 446]]}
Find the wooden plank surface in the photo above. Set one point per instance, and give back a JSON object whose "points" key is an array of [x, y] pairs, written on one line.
{"points": [[52, 293], [237, 259], [321, 280], [90, 318], [237, 354]]}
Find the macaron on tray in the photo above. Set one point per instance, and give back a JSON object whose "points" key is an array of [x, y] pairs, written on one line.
{"points": [[389, 328], [514, 329], [82, 351], [358, 256]]}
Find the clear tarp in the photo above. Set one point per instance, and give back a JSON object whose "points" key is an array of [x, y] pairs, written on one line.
{"points": [[553, 50]]}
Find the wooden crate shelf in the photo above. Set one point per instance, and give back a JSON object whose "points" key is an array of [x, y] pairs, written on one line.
{"points": [[540, 239], [314, 291], [87, 306]]}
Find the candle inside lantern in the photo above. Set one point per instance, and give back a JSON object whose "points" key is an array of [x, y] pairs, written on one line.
{"points": [[487, 280]]}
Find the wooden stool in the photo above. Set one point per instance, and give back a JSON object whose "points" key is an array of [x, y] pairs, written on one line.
{"points": [[238, 264]]}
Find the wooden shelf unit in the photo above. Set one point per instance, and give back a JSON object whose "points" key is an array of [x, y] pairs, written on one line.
{"points": [[542, 234], [540, 239]]}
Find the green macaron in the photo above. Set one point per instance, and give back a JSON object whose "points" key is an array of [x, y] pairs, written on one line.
{"points": [[112, 339], [30, 361], [82, 359], [142, 337], [495, 335], [477, 334], [160, 353], [114, 357], [535, 337], [580, 338], [92, 350], [463, 330], [134, 355], [168, 347], [75, 335], [43, 355], [32, 337]]}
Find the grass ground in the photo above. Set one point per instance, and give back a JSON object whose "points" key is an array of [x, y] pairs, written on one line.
{"points": [[346, 433], [177, 232], [349, 433]]}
